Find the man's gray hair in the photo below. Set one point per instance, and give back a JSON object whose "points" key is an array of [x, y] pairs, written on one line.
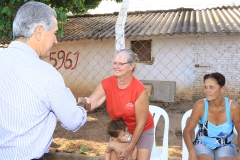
{"points": [[31, 15]]}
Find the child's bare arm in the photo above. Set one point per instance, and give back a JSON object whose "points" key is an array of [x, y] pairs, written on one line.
{"points": [[108, 151], [107, 156]]}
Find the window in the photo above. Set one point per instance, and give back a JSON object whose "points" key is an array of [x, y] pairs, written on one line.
{"points": [[143, 49]]}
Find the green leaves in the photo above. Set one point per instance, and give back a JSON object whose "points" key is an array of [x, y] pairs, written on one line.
{"points": [[60, 30], [12, 1], [8, 9], [61, 14]]}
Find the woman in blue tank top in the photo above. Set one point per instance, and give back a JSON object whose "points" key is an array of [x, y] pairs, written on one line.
{"points": [[216, 116]]}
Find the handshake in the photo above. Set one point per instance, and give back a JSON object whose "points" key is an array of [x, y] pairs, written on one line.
{"points": [[84, 102]]}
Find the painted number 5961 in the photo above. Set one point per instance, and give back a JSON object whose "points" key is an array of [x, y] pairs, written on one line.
{"points": [[66, 60]]}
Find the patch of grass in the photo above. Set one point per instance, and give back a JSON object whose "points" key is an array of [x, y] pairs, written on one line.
{"points": [[149, 97], [83, 149]]}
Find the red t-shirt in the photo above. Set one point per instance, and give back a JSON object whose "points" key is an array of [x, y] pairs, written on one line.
{"points": [[120, 102]]}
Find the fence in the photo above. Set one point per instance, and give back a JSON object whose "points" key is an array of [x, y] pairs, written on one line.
{"points": [[182, 59], [175, 65]]}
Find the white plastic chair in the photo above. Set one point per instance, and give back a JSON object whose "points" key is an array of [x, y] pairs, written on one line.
{"points": [[183, 124], [160, 153]]}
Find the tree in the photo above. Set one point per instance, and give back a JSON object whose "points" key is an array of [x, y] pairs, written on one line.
{"points": [[8, 9]]}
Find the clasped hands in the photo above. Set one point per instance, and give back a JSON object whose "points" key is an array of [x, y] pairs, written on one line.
{"points": [[124, 154], [84, 102]]}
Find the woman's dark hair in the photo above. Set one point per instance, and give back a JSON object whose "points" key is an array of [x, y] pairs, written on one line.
{"points": [[115, 126], [217, 76]]}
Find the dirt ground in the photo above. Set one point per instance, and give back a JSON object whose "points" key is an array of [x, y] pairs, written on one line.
{"points": [[92, 139]]}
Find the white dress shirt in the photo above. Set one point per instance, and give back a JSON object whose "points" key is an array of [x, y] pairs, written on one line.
{"points": [[32, 96]]}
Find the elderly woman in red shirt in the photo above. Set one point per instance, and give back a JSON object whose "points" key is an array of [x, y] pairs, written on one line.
{"points": [[126, 98]]}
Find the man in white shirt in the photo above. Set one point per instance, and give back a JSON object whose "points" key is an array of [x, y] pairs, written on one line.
{"points": [[32, 92]]}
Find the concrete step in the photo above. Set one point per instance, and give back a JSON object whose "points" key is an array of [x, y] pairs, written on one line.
{"points": [[74, 156]]}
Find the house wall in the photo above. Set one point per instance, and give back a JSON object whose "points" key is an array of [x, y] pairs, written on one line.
{"points": [[221, 54], [175, 58], [93, 63], [173, 61]]}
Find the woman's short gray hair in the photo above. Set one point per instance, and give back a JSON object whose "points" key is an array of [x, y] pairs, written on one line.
{"points": [[132, 57], [31, 15]]}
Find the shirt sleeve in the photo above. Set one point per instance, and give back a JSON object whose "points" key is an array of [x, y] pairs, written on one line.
{"points": [[62, 103]]}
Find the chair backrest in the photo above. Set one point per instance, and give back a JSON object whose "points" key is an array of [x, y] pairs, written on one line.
{"points": [[157, 153], [183, 124]]}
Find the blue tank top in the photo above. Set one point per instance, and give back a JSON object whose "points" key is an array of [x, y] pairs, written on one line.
{"points": [[214, 136]]}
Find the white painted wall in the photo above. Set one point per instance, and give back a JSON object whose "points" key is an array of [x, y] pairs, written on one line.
{"points": [[175, 57], [173, 62], [221, 54], [93, 64]]}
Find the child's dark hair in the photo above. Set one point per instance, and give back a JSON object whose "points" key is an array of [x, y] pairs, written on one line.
{"points": [[114, 127], [217, 76]]}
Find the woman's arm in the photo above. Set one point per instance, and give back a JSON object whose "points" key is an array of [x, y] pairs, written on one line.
{"points": [[97, 97], [94, 100], [134, 155], [141, 112], [235, 115], [196, 115]]}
